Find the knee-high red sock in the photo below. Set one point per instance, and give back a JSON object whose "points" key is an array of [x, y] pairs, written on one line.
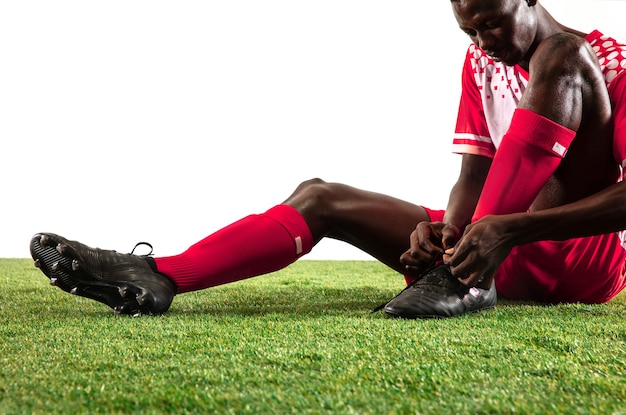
{"points": [[254, 245], [529, 154]]}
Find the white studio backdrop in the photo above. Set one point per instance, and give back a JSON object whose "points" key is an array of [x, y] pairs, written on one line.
{"points": [[162, 121]]}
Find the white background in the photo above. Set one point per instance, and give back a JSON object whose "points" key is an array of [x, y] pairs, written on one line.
{"points": [[163, 121]]}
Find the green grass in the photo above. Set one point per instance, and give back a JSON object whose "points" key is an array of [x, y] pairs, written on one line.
{"points": [[303, 341]]}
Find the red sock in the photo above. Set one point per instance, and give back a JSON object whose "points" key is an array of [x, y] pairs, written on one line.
{"points": [[254, 245], [529, 154]]}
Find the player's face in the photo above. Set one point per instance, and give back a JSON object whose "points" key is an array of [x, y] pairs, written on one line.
{"points": [[504, 29]]}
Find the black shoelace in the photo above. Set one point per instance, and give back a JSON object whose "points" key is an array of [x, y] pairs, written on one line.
{"points": [[138, 244]]}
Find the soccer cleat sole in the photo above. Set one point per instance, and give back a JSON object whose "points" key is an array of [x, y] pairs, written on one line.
{"points": [[63, 272]]}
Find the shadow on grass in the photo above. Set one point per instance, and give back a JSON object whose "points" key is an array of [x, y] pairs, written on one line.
{"points": [[316, 301], [305, 301], [243, 301]]}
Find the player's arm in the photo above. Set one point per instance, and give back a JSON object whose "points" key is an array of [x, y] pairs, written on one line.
{"points": [[427, 238], [543, 126], [464, 197], [601, 213], [551, 113]]}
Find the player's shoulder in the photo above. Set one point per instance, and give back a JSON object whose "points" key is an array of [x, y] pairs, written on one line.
{"points": [[564, 52], [563, 45]]}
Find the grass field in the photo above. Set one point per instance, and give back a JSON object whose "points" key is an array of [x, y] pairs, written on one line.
{"points": [[303, 341]]}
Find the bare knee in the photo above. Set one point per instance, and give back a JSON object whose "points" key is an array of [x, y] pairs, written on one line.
{"points": [[307, 184], [313, 194]]}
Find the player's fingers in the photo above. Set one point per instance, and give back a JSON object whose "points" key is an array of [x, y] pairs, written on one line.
{"points": [[428, 238], [449, 236], [415, 257], [472, 279], [458, 256]]}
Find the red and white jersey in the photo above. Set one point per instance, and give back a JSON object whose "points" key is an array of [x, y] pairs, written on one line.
{"points": [[492, 90], [612, 58]]}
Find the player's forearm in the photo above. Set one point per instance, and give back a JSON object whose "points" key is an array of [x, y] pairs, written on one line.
{"points": [[466, 192], [461, 204], [602, 213]]}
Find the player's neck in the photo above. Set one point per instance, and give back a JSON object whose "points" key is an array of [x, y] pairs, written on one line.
{"points": [[547, 26]]}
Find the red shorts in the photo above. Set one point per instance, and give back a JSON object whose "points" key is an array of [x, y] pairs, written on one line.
{"points": [[587, 270]]}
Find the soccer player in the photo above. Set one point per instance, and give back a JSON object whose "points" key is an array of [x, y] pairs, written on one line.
{"points": [[536, 212]]}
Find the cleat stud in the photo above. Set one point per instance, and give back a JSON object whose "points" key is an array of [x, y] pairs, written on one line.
{"points": [[56, 266], [61, 249], [142, 297], [74, 291], [44, 240], [123, 290], [54, 281], [75, 265], [37, 263]]}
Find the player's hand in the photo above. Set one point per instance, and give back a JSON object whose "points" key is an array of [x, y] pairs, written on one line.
{"points": [[428, 240], [480, 251]]}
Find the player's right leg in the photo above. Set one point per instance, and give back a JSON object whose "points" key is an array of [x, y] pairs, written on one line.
{"points": [[254, 245]]}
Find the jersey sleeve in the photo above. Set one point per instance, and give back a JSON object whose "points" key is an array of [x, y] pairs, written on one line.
{"points": [[471, 134]]}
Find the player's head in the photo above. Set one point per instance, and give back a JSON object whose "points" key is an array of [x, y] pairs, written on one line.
{"points": [[504, 29]]}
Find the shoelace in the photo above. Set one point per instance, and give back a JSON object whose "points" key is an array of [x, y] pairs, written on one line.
{"points": [[138, 244], [434, 263]]}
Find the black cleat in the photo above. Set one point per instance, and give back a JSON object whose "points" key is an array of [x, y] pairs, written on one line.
{"points": [[438, 294], [124, 282]]}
